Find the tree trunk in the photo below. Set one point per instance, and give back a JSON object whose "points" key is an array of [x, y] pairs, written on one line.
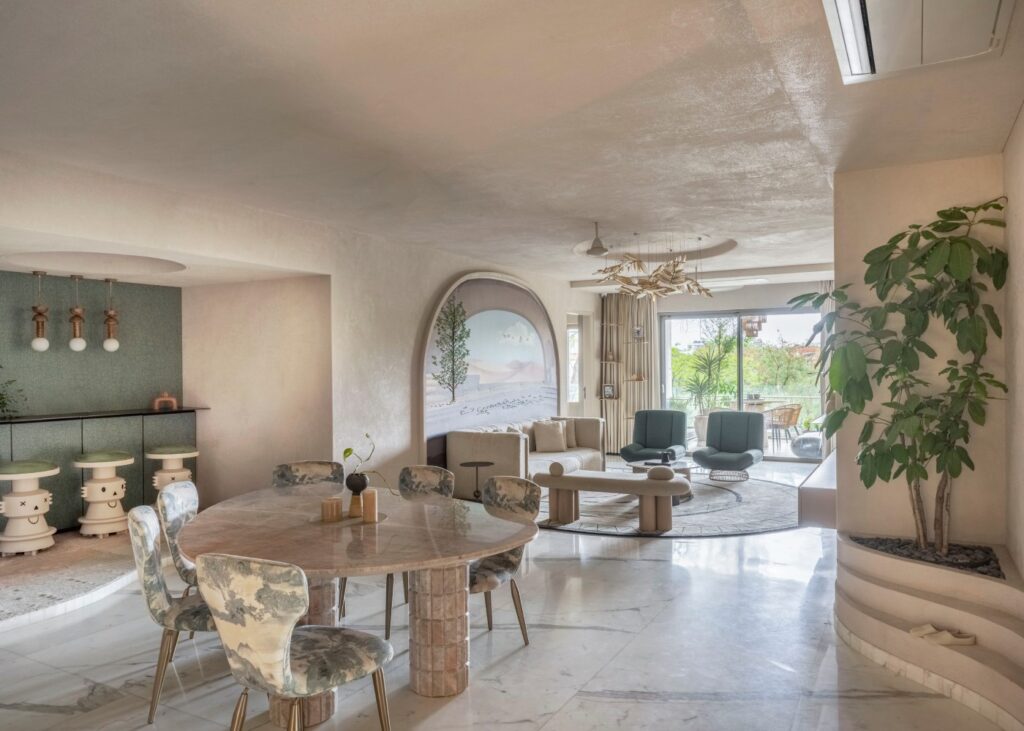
{"points": [[942, 508], [917, 505]]}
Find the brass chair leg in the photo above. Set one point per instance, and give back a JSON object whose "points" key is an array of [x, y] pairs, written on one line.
{"points": [[380, 691], [167, 643], [238, 717], [188, 590], [519, 610], [389, 594], [174, 647], [341, 598], [295, 722], [490, 614], [405, 586]]}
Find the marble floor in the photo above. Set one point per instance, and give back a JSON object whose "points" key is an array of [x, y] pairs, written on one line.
{"points": [[627, 633]]}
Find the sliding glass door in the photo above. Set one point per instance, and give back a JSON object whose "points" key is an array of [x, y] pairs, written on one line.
{"points": [[755, 361]]}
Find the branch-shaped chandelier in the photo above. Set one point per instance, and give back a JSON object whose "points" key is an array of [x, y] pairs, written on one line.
{"points": [[670, 277]]}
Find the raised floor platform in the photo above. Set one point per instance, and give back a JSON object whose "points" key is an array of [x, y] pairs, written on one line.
{"points": [[880, 597], [75, 572]]}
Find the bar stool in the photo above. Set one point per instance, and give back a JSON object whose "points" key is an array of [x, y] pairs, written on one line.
{"points": [[25, 508], [172, 467], [103, 493]]}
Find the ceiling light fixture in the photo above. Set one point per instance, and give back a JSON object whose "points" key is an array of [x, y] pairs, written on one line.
{"points": [[632, 278], [77, 319], [40, 314], [597, 247], [110, 319]]}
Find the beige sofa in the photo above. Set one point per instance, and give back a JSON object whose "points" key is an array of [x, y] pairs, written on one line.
{"points": [[513, 450]]}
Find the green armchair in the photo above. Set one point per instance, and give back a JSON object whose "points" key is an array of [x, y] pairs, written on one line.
{"points": [[735, 442], [654, 432]]}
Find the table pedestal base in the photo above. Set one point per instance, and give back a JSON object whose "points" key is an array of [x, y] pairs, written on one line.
{"points": [[323, 610], [439, 631]]}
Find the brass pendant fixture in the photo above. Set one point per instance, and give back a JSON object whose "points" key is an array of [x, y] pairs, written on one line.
{"points": [[670, 277], [40, 314]]}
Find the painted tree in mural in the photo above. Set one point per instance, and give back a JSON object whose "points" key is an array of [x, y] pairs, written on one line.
{"points": [[452, 342], [936, 272]]}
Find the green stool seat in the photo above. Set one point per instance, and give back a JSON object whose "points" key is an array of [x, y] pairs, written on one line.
{"points": [[180, 451], [27, 468], [103, 459]]}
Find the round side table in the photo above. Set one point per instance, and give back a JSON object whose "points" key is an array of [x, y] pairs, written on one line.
{"points": [[25, 508], [103, 492], [172, 468], [476, 465]]}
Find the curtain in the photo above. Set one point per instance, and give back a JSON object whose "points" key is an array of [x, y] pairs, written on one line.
{"points": [[826, 286], [629, 364]]}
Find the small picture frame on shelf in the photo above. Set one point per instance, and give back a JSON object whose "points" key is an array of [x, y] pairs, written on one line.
{"points": [[608, 391]]}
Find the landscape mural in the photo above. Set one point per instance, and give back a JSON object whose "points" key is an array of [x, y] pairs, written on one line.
{"points": [[490, 360]]}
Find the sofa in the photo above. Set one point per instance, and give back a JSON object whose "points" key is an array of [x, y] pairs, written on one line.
{"points": [[513, 450]]}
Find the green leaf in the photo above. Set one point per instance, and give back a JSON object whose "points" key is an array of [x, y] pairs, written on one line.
{"points": [[961, 261], [891, 352], [865, 433], [945, 227], [856, 361], [993, 320], [937, 259], [838, 370], [993, 222], [347, 453], [835, 420], [977, 412], [952, 214], [878, 254], [868, 473]]}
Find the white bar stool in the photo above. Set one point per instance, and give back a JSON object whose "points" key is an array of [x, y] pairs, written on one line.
{"points": [[25, 508], [103, 492], [173, 467]]}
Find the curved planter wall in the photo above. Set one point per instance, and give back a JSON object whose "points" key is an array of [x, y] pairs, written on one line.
{"points": [[880, 597]]}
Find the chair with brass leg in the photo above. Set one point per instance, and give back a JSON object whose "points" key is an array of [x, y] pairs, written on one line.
{"points": [[187, 614], [177, 504], [415, 482], [511, 498], [256, 605]]}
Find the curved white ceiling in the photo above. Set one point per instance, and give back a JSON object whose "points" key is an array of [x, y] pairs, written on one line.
{"points": [[492, 129], [91, 264]]}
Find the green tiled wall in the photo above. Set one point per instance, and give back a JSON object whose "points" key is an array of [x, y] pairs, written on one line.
{"points": [[58, 442], [164, 430], [123, 434], [61, 381]]}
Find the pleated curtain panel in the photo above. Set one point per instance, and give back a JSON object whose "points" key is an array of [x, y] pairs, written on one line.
{"points": [[629, 364]]}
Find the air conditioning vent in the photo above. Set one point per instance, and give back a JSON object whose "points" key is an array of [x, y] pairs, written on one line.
{"points": [[875, 38]]}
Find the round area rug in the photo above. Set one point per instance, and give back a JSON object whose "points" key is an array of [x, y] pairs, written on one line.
{"points": [[716, 509]]}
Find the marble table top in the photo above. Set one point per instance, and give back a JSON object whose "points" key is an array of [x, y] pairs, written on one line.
{"points": [[283, 524]]}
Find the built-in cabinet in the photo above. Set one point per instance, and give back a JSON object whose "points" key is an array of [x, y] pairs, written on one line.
{"points": [[60, 438]]}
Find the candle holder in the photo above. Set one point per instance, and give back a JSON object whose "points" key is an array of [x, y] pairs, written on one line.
{"points": [[332, 510]]}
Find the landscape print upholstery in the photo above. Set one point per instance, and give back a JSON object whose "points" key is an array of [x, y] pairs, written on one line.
{"points": [[510, 498], [256, 605], [307, 473], [178, 504]]}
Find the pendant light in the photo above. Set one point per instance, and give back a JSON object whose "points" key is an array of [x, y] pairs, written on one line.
{"points": [[40, 314], [77, 319], [110, 320]]}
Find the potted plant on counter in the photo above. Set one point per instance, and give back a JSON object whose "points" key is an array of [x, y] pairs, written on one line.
{"points": [[11, 398]]}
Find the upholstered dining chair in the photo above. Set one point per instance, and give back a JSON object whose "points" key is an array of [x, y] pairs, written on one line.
{"points": [[176, 505], [414, 481], [256, 606], [511, 498], [187, 614], [308, 472]]}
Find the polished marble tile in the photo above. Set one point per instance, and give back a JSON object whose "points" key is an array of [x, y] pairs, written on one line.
{"points": [[634, 633]]}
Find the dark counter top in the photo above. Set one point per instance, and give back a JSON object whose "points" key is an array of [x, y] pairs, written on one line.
{"points": [[35, 419]]}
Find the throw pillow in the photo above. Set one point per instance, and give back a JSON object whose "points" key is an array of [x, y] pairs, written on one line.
{"points": [[564, 467], [660, 473], [550, 436], [570, 434]]}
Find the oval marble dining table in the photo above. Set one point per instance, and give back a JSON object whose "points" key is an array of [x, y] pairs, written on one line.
{"points": [[432, 537]]}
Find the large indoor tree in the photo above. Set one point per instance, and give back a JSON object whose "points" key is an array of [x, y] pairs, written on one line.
{"points": [[934, 273]]}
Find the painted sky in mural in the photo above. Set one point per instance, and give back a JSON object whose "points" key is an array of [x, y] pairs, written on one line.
{"points": [[511, 373]]}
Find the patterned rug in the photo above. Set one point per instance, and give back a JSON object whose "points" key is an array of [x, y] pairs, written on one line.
{"points": [[716, 509]]}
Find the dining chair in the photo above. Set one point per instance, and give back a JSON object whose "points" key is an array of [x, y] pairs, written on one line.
{"points": [[187, 614], [308, 472], [510, 498], [176, 505], [256, 605], [412, 482]]}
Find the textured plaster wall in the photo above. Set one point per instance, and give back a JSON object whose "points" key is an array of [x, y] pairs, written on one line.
{"points": [[381, 294], [870, 206], [1013, 171], [259, 355]]}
